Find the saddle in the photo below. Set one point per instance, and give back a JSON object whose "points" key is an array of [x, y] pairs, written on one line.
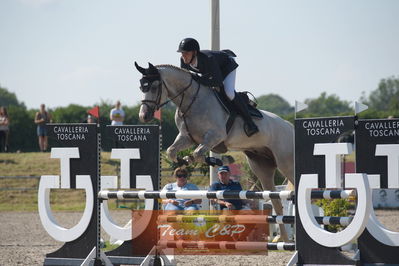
{"points": [[232, 112]]}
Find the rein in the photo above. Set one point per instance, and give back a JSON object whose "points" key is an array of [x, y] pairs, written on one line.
{"points": [[183, 114], [188, 108]]}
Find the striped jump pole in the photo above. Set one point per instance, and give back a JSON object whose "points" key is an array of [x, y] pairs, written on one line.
{"points": [[249, 219], [226, 245], [196, 194], [333, 194], [221, 194]]}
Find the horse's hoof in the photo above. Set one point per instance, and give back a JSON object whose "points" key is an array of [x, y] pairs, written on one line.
{"points": [[189, 159], [181, 162], [277, 238], [227, 159], [213, 161]]}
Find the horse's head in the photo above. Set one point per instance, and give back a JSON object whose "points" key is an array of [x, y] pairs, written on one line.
{"points": [[151, 86]]}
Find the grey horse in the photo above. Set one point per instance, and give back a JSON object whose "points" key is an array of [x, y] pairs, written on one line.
{"points": [[201, 121]]}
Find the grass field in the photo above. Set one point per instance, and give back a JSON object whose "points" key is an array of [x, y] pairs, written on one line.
{"points": [[28, 166]]}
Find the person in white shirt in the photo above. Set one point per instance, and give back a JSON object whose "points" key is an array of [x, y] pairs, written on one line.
{"points": [[117, 115], [181, 183]]}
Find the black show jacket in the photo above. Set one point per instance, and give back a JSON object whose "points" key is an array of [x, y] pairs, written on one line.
{"points": [[213, 66]]}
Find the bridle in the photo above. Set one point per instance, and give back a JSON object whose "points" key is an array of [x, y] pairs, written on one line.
{"points": [[146, 84]]}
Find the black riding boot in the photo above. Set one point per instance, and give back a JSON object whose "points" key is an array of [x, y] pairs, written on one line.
{"points": [[250, 127]]}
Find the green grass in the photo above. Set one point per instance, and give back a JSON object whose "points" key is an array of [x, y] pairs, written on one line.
{"points": [[109, 247], [40, 163], [24, 197], [36, 164]]}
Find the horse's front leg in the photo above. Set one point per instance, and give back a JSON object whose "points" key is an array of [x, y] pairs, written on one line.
{"points": [[181, 142]]}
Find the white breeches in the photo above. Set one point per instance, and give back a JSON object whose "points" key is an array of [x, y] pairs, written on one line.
{"points": [[230, 84]]}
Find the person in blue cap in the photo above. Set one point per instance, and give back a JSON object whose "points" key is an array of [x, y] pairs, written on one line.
{"points": [[225, 183]]}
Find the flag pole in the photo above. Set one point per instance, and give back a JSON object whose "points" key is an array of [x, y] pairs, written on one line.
{"points": [[215, 45]]}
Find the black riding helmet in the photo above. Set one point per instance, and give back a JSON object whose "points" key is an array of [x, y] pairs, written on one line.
{"points": [[187, 45]]}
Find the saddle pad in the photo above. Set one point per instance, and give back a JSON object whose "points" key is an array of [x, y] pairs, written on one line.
{"points": [[229, 107]]}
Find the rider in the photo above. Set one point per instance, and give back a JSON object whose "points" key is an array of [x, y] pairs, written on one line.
{"points": [[217, 69]]}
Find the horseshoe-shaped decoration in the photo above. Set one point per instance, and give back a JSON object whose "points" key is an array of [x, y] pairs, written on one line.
{"points": [[139, 225], [354, 229], [376, 229], [47, 182], [381, 233]]}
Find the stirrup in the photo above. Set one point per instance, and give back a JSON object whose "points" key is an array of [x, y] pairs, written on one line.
{"points": [[250, 129]]}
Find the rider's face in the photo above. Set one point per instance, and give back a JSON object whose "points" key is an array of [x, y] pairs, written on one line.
{"points": [[187, 56]]}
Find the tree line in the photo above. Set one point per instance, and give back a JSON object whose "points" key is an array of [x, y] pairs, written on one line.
{"points": [[383, 102]]}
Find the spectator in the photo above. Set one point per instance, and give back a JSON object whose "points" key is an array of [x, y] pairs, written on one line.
{"points": [[117, 115], [4, 129], [225, 183], [181, 183], [90, 119], [41, 119]]}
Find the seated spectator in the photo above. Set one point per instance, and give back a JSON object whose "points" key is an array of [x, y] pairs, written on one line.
{"points": [[181, 183], [225, 183]]}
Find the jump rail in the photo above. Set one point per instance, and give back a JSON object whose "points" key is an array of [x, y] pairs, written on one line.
{"points": [[226, 245], [237, 245], [250, 219], [205, 194]]}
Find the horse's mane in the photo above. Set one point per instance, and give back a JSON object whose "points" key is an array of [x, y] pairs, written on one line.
{"points": [[174, 67]]}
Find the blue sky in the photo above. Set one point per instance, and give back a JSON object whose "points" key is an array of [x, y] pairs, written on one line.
{"points": [[71, 51]]}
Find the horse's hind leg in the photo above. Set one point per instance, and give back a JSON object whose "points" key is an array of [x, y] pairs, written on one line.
{"points": [[286, 167], [264, 168]]}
